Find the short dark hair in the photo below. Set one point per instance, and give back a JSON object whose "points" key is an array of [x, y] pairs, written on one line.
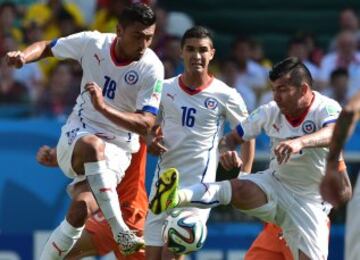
{"points": [[293, 67], [198, 32], [137, 13], [338, 73]]}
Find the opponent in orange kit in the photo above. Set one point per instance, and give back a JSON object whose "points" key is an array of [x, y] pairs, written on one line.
{"points": [[269, 245], [97, 239]]}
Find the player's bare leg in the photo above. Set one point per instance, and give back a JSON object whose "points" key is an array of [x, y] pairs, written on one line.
{"points": [[246, 195]]}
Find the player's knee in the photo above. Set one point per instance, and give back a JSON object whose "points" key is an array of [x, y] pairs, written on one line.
{"points": [[91, 148], [246, 194]]}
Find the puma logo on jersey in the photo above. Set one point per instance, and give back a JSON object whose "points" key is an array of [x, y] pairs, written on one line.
{"points": [[276, 127], [57, 248], [105, 137], [98, 58], [105, 189], [171, 96]]}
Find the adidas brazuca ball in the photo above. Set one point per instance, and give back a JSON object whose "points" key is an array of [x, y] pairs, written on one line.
{"points": [[184, 232]]}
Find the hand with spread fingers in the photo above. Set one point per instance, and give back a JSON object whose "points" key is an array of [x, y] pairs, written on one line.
{"points": [[230, 160], [156, 146], [285, 149]]}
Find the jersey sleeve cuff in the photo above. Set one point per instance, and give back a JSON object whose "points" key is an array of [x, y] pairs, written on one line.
{"points": [[329, 122], [53, 43], [150, 109], [240, 130]]}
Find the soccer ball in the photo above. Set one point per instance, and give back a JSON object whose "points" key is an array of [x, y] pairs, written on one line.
{"points": [[184, 232]]}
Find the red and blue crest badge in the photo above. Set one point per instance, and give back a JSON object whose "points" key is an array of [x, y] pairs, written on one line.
{"points": [[211, 103]]}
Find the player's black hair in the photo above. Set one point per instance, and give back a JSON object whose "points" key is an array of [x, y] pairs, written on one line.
{"points": [[339, 72], [137, 13], [293, 67], [198, 32]]}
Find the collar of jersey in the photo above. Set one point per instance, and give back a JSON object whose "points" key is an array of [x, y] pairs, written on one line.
{"points": [[194, 91], [296, 121], [117, 62]]}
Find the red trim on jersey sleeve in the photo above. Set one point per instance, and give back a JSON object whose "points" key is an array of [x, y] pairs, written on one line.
{"points": [[296, 121], [116, 61], [192, 91]]}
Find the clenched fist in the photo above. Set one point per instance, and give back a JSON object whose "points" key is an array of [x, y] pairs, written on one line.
{"points": [[15, 59], [47, 156]]}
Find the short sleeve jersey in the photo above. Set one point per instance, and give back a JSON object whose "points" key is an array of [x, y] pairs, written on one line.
{"points": [[192, 122], [303, 172], [126, 87]]}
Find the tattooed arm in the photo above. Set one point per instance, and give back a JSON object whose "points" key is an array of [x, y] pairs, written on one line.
{"points": [[320, 138]]}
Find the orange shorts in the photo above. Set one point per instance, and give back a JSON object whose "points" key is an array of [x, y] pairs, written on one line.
{"points": [[102, 236], [269, 245]]}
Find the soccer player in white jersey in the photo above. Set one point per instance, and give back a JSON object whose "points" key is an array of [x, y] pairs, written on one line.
{"points": [[336, 187], [119, 99], [299, 123], [193, 109]]}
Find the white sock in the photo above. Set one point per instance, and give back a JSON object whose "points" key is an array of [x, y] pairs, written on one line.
{"points": [[103, 182], [206, 195], [61, 241]]}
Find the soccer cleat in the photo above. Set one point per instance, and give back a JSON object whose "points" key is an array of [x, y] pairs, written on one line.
{"points": [[129, 243], [166, 196]]}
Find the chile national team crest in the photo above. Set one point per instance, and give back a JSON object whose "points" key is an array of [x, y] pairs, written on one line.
{"points": [[131, 77], [308, 127], [211, 103]]}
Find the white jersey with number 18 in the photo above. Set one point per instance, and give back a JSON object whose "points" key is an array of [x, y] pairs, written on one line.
{"points": [[127, 87]]}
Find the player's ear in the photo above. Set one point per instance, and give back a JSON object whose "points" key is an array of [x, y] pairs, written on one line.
{"points": [[304, 88], [212, 53], [181, 52], [119, 30]]}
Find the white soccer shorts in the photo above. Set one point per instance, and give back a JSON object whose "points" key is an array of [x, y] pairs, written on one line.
{"points": [[117, 158], [304, 221]]}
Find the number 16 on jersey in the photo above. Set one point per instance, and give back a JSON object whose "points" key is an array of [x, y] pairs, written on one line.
{"points": [[188, 118]]}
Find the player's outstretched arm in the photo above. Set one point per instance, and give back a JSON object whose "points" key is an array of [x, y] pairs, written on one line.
{"points": [[320, 138], [47, 156], [229, 157], [34, 52], [139, 122]]}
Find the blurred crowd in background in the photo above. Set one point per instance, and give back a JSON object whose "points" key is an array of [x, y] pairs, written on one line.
{"points": [[50, 87]]}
